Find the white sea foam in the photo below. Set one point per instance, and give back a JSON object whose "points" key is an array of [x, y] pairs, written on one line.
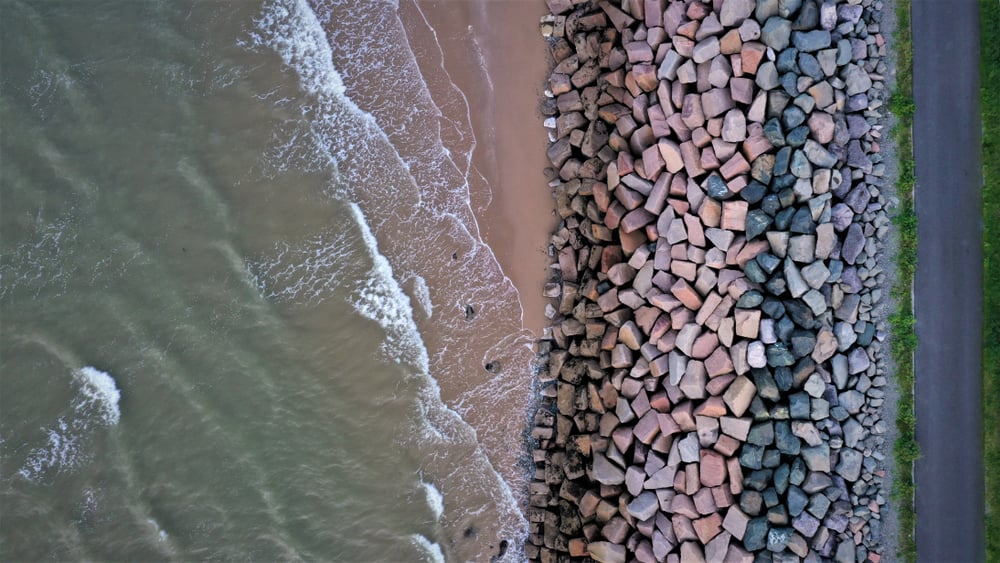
{"points": [[100, 393], [160, 532], [434, 499], [431, 549], [382, 300], [422, 294], [65, 449]]}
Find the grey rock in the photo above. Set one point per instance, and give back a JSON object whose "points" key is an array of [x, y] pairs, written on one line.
{"points": [[840, 371], [854, 433], [811, 41], [606, 472], [828, 15], [802, 222], [777, 539], [816, 274], [800, 166], [856, 80], [734, 12], [644, 506], [858, 361], [756, 354], [841, 216], [846, 337], [851, 400], [767, 76], [802, 248], [858, 158], [817, 458], [854, 243], [786, 442], [779, 355], [849, 464], [776, 33], [806, 524], [818, 155]]}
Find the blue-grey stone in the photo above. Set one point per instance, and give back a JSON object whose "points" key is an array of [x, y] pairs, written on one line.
{"points": [[755, 538], [786, 61], [800, 166], [777, 539], [797, 137], [774, 133], [802, 222], [753, 192], [786, 442], [761, 434], [811, 41], [793, 116], [797, 501], [779, 355], [776, 33]]}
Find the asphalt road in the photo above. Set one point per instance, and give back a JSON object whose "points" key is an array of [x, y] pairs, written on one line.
{"points": [[948, 284]]}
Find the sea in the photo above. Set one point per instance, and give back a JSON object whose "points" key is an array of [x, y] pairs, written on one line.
{"points": [[246, 306]]}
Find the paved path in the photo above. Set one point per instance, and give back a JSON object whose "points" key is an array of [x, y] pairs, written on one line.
{"points": [[948, 292]]}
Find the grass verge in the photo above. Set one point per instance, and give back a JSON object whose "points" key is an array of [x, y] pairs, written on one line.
{"points": [[989, 80], [904, 341]]}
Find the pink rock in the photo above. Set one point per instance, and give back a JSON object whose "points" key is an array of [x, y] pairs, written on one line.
{"points": [[751, 54], [647, 428], [637, 219], [735, 522], [708, 527], [739, 395], [719, 363], [671, 154], [692, 159], [713, 468], [686, 294], [638, 52], [734, 215], [755, 145], [704, 345], [735, 166], [741, 89], [716, 102], [747, 323]]}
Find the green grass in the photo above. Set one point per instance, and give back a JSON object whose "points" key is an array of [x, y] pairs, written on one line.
{"points": [[904, 341], [989, 80]]}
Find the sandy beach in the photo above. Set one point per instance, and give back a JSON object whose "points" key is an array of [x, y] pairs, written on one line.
{"points": [[494, 54]]}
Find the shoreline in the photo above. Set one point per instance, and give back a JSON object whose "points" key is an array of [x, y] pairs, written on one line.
{"points": [[491, 54]]}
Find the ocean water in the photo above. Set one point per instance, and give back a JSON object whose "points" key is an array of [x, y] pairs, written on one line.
{"points": [[245, 306]]}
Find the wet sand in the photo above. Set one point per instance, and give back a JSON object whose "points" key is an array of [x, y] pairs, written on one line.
{"points": [[496, 56]]}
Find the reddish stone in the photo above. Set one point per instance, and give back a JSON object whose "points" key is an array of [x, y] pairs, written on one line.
{"points": [[713, 468], [734, 215], [686, 294], [755, 145], [726, 445], [751, 54], [719, 363], [735, 166], [712, 407], [647, 428], [708, 527], [704, 345]]}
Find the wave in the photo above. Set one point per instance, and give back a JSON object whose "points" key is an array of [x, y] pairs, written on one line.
{"points": [[431, 549], [95, 405]]}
